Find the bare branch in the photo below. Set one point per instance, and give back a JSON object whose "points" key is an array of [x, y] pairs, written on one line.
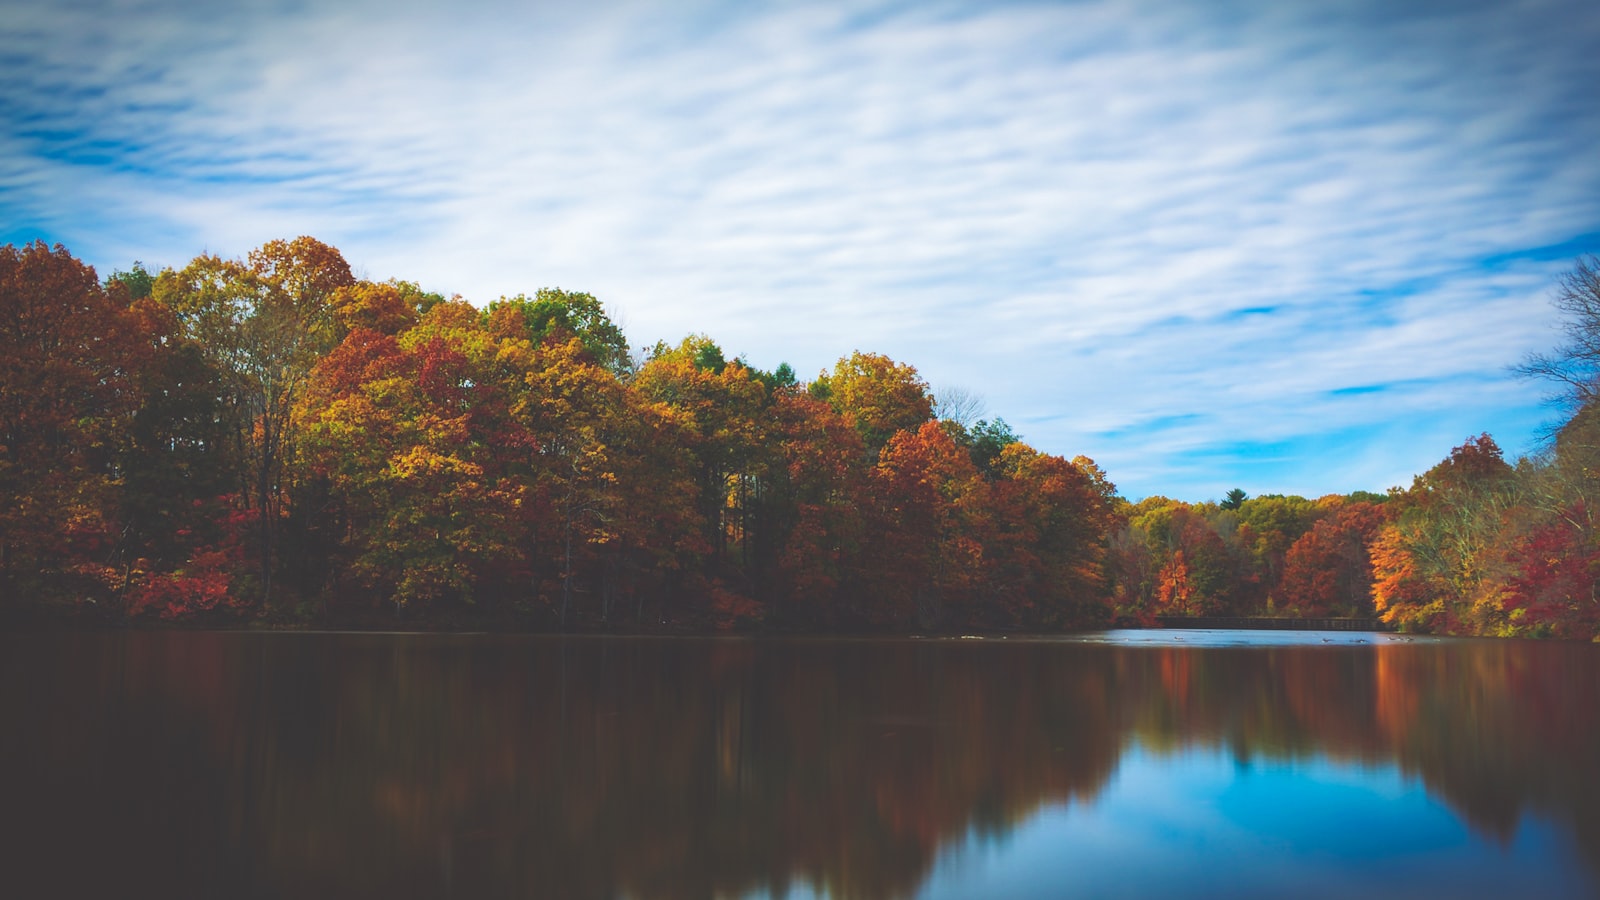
{"points": [[1574, 367], [958, 405]]}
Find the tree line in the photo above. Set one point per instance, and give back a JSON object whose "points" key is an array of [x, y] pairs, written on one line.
{"points": [[1475, 545], [272, 438]]}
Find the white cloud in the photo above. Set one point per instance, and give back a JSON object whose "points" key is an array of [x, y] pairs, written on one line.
{"points": [[1063, 208]]}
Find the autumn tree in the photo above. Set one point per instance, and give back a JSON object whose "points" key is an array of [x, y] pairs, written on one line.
{"points": [[1192, 559], [722, 408], [264, 322], [1554, 579], [236, 431], [177, 474], [551, 311], [1554, 586], [68, 351], [1408, 587], [1328, 570], [817, 498], [931, 527], [1268, 525], [422, 440], [387, 307], [573, 407], [1135, 556], [1432, 564], [1050, 523], [1131, 567], [882, 397], [654, 549]]}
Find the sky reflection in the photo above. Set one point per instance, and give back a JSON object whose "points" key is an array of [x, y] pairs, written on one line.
{"points": [[1218, 637], [1199, 822]]}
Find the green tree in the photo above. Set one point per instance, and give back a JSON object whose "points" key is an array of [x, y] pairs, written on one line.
{"points": [[988, 441], [577, 314], [137, 281]]}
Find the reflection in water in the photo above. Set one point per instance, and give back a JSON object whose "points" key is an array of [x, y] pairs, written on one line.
{"points": [[289, 765]]}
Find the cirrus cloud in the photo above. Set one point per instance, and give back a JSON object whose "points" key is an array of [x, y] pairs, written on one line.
{"points": [[1289, 247]]}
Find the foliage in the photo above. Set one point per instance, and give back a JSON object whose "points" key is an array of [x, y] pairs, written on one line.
{"points": [[68, 348], [262, 323], [208, 582], [1328, 571], [413, 434], [880, 396], [987, 440], [554, 312], [242, 438]]}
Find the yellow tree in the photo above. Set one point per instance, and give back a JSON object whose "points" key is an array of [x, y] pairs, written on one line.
{"points": [[412, 433], [880, 396], [387, 307], [575, 411], [264, 322], [722, 408]]}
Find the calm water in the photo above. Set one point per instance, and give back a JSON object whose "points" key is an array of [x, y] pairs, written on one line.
{"points": [[1124, 764]]}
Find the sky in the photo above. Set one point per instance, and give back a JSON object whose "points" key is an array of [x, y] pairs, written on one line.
{"points": [[1289, 247]]}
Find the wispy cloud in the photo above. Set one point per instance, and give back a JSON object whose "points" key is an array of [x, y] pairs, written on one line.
{"points": [[1101, 215]]}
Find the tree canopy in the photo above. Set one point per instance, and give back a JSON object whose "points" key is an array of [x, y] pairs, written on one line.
{"points": [[272, 438]]}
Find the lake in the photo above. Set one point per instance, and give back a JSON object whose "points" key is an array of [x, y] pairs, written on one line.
{"points": [[1130, 763]]}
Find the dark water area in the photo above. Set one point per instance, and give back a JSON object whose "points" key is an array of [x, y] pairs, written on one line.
{"points": [[1156, 763]]}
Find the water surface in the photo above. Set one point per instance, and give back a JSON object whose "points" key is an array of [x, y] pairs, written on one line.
{"points": [[1145, 763]]}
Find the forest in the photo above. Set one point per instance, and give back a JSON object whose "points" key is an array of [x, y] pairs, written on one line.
{"points": [[274, 441]]}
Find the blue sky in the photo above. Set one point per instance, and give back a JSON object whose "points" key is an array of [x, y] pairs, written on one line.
{"points": [[1288, 247]]}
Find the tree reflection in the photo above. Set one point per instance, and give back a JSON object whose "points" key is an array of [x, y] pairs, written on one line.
{"points": [[309, 765]]}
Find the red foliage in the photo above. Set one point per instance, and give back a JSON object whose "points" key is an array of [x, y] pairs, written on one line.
{"points": [[1174, 588], [442, 373], [67, 348], [1475, 464], [1557, 578], [204, 584], [1329, 569], [731, 609]]}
